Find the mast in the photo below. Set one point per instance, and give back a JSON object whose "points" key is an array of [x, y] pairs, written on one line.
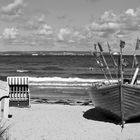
{"points": [[122, 44]]}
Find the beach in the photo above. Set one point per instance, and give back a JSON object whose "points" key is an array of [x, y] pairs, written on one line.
{"points": [[65, 122], [61, 108], [69, 70]]}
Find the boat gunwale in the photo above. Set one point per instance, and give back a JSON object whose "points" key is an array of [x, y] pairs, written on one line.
{"points": [[98, 87]]}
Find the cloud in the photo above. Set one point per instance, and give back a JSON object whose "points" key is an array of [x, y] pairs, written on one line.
{"points": [[33, 40], [72, 37], [14, 8], [111, 25], [33, 23], [36, 31], [41, 18], [108, 16], [114, 27], [122, 34], [63, 32], [32, 31], [10, 33], [45, 30], [130, 12], [105, 26]]}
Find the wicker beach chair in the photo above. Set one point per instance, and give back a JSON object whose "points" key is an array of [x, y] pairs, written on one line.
{"points": [[19, 91]]}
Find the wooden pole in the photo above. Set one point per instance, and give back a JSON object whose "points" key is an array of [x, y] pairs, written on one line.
{"points": [[102, 69], [98, 61], [135, 62], [121, 84], [101, 51], [135, 76], [113, 60]]}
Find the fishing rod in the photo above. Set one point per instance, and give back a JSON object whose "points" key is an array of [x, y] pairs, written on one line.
{"points": [[107, 67], [113, 60], [100, 64]]}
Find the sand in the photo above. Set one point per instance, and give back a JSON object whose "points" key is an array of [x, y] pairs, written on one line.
{"points": [[65, 122]]}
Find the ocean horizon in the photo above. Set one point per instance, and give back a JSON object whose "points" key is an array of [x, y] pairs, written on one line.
{"points": [[34, 53], [58, 74]]}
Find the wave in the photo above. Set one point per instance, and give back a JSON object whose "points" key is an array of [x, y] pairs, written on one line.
{"points": [[60, 82], [70, 79], [10, 54], [22, 71], [35, 54], [76, 79]]}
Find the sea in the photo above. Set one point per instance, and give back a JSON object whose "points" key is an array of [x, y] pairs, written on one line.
{"points": [[60, 75]]}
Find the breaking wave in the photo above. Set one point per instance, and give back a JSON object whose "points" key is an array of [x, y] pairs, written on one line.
{"points": [[60, 82]]}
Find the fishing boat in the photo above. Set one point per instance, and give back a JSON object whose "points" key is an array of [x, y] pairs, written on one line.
{"points": [[121, 98]]}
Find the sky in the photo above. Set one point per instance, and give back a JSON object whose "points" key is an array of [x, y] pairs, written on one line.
{"points": [[68, 25]]}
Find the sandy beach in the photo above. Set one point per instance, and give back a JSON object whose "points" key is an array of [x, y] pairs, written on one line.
{"points": [[65, 122]]}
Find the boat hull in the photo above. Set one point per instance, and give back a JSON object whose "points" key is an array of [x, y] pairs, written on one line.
{"points": [[125, 105]]}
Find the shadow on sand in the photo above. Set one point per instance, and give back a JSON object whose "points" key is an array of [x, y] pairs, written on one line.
{"points": [[98, 114]]}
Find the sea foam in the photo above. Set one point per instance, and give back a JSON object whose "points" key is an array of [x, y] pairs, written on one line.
{"points": [[60, 82]]}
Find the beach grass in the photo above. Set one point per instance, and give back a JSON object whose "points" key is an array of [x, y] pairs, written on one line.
{"points": [[4, 130]]}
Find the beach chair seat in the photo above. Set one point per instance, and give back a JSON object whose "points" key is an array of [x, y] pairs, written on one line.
{"points": [[19, 91]]}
